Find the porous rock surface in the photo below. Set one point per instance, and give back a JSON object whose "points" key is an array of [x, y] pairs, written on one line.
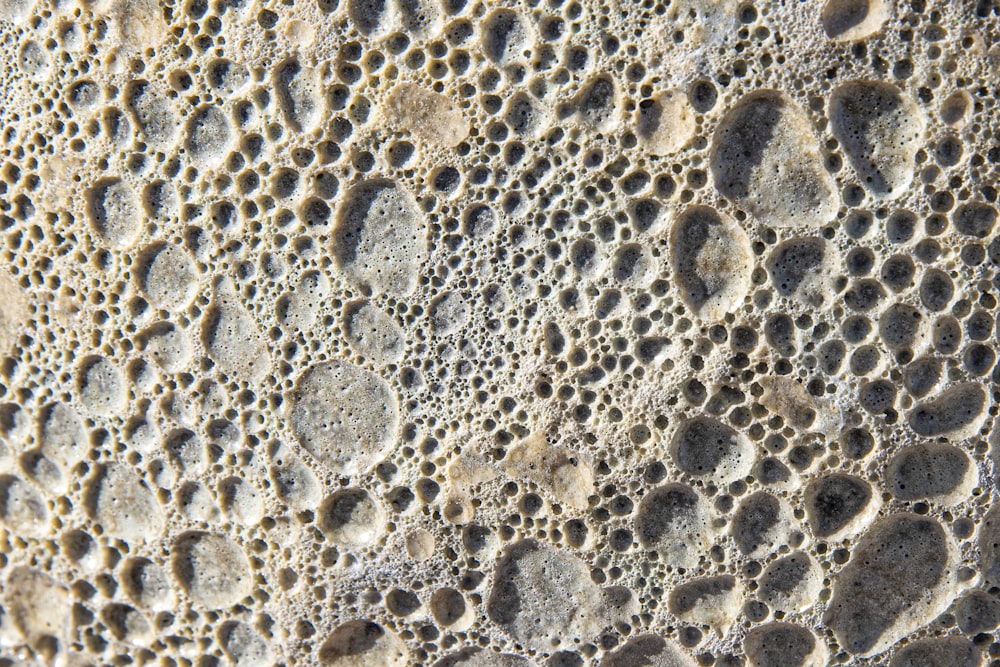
{"points": [[554, 333]]}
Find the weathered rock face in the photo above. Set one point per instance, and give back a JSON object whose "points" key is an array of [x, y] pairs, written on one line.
{"points": [[706, 447], [712, 261], [541, 594], [838, 505], [900, 576], [957, 651], [674, 520], [344, 415], [765, 157], [363, 643], [648, 650], [784, 645], [880, 128], [443, 333]]}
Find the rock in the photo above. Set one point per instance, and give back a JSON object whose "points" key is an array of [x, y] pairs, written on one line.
{"points": [[901, 575]]}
